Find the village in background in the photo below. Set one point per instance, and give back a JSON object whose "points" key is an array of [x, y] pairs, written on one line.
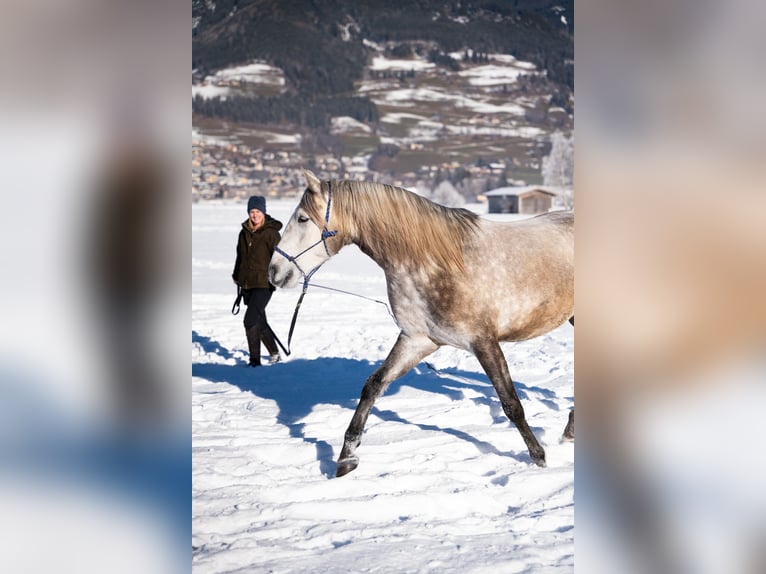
{"points": [[223, 170], [460, 126]]}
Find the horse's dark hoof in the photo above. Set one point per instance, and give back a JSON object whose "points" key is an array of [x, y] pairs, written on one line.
{"points": [[346, 466], [538, 459], [569, 430]]}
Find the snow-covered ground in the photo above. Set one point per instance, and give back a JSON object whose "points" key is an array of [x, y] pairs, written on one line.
{"points": [[416, 63], [469, 92], [444, 483], [253, 73]]}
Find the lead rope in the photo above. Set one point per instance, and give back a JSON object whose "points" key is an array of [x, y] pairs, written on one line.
{"points": [[360, 296], [297, 308], [307, 276], [306, 285]]}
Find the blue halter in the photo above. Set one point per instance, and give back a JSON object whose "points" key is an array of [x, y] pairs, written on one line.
{"points": [[326, 234], [307, 276]]}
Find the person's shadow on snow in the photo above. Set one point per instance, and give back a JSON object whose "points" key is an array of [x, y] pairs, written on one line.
{"points": [[297, 386]]}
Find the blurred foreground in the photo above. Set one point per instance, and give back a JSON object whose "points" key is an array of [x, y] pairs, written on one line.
{"points": [[94, 445], [671, 273]]}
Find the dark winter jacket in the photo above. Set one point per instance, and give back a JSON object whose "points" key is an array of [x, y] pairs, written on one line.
{"points": [[254, 251]]}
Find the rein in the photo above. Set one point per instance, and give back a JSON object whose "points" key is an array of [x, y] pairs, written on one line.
{"points": [[326, 234], [235, 307], [360, 296], [306, 285]]}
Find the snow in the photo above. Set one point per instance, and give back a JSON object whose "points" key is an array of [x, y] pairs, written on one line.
{"points": [[491, 75], [498, 58], [209, 91], [415, 63], [418, 94], [277, 138], [444, 482], [218, 84], [198, 136], [397, 117], [256, 72], [343, 124], [409, 98]]}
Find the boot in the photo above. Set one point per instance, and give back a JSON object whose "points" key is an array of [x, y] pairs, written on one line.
{"points": [[254, 346], [271, 346]]}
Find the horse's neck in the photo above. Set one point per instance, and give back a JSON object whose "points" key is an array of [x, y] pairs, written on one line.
{"points": [[369, 233], [399, 263], [392, 245], [389, 262]]}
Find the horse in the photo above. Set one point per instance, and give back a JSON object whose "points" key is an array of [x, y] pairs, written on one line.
{"points": [[453, 278]]}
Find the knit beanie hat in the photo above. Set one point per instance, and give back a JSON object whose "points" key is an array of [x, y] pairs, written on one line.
{"points": [[256, 202]]}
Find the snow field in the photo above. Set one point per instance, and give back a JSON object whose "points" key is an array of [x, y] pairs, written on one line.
{"points": [[444, 482]]}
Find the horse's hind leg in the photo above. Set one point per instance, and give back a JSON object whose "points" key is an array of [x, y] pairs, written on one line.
{"points": [[405, 354], [493, 362], [569, 430]]}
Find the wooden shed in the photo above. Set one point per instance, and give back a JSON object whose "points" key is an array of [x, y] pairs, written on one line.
{"points": [[528, 200]]}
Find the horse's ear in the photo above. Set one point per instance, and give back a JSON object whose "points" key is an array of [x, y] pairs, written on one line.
{"points": [[312, 181]]}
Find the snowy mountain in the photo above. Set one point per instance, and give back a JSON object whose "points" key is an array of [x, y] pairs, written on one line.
{"points": [[402, 89], [321, 45]]}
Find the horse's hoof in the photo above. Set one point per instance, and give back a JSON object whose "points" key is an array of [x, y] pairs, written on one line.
{"points": [[569, 430], [539, 460], [346, 466]]}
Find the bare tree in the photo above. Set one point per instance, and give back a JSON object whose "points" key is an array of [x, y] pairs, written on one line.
{"points": [[446, 194], [558, 168]]}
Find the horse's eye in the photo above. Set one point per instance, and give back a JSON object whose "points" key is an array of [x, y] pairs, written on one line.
{"points": [[302, 219]]}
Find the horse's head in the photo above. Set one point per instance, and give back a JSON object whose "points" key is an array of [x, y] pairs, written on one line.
{"points": [[304, 244]]}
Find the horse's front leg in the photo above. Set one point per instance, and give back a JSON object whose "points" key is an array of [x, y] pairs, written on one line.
{"points": [[493, 362], [406, 353]]}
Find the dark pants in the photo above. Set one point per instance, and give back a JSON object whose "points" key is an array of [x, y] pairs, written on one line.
{"points": [[256, 301]]}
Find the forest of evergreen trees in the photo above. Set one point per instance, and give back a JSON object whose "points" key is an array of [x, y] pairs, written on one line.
{"points": [[304, 37], [287, 109]]}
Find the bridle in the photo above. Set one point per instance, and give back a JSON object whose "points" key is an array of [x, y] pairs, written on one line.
{"points": [[326, 234]]}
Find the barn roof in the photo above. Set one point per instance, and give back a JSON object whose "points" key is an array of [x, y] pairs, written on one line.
{"points": [[519, 190]]}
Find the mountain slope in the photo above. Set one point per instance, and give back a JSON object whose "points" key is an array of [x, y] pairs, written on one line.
{"points": [[320, 48]]}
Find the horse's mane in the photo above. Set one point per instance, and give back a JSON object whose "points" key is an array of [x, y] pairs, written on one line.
{"points": [[392, 223]]}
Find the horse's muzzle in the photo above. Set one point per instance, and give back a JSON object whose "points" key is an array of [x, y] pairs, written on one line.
{"points": [[282, 279]]}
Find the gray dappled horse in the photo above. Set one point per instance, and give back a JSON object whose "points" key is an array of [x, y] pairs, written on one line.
{"points": [[453, 278]]}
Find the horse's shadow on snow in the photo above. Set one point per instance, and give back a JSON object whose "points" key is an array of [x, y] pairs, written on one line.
{"points": [[299, 385]]}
